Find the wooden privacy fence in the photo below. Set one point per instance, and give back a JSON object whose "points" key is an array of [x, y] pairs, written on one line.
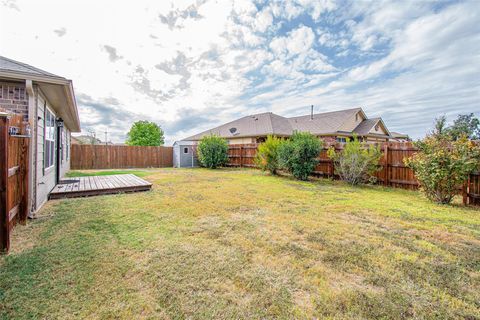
{"points": [[119, 157], [394, 173], [13, 176], [471, 193]]}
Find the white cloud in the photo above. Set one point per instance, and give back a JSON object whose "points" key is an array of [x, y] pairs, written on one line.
{"points": [[191, 64]]}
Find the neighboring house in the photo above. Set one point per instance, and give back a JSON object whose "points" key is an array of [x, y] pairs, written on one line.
{"points": [[84, 139], [47, 102], [330, 126], [399, 137]]}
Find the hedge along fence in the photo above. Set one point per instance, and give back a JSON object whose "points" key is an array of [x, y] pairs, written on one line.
{"points": [[394, 173], [119, 157]]}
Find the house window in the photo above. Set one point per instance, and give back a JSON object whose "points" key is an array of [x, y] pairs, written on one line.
{"points": [[49, 140], [376, 127], [185, 150], [341, 139]]}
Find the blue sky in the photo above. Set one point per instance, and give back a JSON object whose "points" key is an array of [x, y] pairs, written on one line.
{"points": [[192, 65]]}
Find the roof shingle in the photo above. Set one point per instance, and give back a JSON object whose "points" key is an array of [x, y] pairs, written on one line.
{"points": [[7, 64]]}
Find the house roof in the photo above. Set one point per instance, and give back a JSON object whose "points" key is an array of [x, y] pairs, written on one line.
{"points": [[255, 125], [323, 123], [269, 123], [7, 64], [399, 135], [58, 90]]}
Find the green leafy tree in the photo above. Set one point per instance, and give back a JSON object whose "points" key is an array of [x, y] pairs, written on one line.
{"points": [[465, 125], [357, 162], [145, 133], [440, 125], [442, 165], [212, 151], [299, 154], [267, 154]]}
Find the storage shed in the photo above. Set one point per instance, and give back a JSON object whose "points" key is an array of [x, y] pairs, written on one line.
{"points": [[184, 154]]}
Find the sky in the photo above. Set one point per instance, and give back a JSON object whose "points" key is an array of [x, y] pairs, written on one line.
{"points": [[192, 65]]}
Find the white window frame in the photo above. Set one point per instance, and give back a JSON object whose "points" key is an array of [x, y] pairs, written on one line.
{"points": [[67, 145], [187, 149], [49, 136]]}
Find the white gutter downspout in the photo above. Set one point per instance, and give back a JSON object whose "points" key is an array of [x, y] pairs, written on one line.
{"points": [[31, 147]]}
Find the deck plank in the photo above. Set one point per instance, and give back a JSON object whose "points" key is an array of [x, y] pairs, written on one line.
{"points": [[98, 185]]}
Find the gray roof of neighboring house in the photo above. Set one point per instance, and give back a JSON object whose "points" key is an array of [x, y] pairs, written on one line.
{"points": [[255, 125], [269, 123], [366, 126], [398, 134], [323, 123], [7, 64]]}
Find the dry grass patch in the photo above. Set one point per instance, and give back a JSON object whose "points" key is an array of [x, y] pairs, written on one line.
{"points": [[241, 244]]}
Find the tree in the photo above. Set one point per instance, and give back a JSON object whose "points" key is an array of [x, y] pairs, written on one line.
{"points": [[145, 133], [465, 125], [442, 165], [357, 162], [299, 154], [440, 125], [267, 154], [212, 151]]}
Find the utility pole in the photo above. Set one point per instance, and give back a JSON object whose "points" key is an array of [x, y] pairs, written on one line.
{"points": [[106, 137]]}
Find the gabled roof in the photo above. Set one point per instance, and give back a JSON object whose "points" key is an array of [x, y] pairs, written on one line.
{"points": [[399, 135], [323, 123], [269, 123], [7, 64], [58, 90], [255, 125]]}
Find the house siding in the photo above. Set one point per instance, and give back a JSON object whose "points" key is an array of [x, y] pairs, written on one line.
{"points": [[46, 178], [242, 140]]}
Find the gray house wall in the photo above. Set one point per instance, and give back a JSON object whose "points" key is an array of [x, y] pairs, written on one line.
{"points": [[14, 98], [46, 178]]}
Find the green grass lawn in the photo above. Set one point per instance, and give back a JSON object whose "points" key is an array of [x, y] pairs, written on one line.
{"points": [[231, 244], [90, 173]]}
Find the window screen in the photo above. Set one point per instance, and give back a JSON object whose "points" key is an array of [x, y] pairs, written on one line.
{"points": [[49, 146]]}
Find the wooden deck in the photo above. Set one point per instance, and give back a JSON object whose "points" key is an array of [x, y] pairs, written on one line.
{"points": [[98, 185]]}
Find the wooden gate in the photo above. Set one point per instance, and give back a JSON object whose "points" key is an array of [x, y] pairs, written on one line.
{"points": [[13, 175]]}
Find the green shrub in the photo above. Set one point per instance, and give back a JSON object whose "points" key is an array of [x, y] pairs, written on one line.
{"points": [[212, 151], [267, 155], [299, 154], [442, 165], [356, 163]]}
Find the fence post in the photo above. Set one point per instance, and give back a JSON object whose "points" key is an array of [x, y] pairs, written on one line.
{"points": [[465, 191], [4, 217], [241, 156], [24, 184], [331, 165], [386, 164]]}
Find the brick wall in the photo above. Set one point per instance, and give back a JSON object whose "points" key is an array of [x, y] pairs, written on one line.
{"points": [[14, 97], [329, 139]]}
